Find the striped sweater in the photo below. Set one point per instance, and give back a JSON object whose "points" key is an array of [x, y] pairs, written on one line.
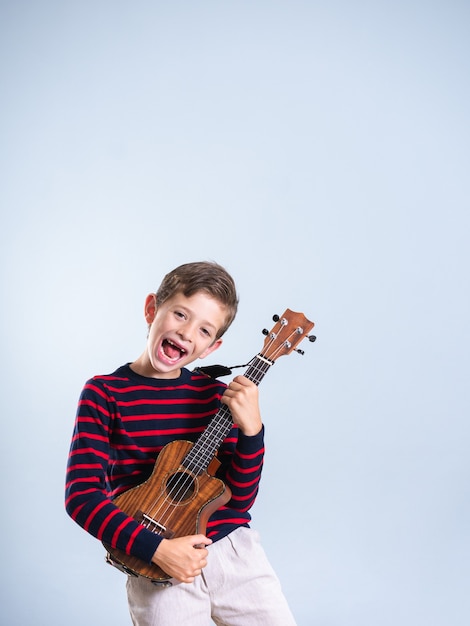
{"points": [[123, 421]]}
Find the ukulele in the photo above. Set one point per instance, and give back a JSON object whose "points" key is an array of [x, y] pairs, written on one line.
{"points": [[182, 491]]}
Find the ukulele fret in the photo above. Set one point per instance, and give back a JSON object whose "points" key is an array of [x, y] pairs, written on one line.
{"points": [[201, 454]]}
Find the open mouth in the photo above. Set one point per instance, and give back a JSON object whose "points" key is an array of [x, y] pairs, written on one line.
{"points": [[172, 351]]}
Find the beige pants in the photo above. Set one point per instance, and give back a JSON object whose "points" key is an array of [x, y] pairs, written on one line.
{"points": [[238, 587]]}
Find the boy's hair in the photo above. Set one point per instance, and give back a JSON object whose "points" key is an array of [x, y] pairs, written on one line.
{"points": [[206, 276]]}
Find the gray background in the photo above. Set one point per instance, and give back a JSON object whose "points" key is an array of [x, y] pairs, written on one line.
{"points": [[318, 150]]}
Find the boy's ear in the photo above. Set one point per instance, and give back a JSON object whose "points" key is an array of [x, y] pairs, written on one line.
{"points": [[217, 343], [150, 307]]}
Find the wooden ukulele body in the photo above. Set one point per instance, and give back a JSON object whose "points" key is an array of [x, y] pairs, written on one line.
{"points": [[172, 502]]}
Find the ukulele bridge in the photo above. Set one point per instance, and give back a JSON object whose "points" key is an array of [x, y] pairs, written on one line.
{"points": [[154, 526]]}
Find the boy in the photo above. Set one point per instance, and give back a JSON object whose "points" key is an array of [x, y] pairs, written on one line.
{"points": [[125, 419]]}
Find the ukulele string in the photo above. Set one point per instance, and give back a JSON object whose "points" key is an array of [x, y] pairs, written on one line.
{"points": [[222, 421], [162, 511], [212, 437], [171, 498], [184, 483]]}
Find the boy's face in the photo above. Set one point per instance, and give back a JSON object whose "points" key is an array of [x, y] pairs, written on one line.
{"points": [[181, 330]]}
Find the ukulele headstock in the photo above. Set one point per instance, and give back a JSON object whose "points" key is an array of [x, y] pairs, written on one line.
{"points": [[284, 337], [288, 331]]}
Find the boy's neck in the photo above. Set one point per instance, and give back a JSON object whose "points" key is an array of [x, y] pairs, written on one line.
{"points": [[143, 368]]}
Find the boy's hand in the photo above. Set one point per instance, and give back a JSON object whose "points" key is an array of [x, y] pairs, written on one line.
{"points": [[182, 558], [241, 397]]}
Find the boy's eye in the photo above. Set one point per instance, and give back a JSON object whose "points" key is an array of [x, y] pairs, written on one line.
{"points": [[205, 332], [179, 314]]}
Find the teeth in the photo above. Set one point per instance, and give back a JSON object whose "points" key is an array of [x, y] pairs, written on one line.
{"points": [[182, 350]]}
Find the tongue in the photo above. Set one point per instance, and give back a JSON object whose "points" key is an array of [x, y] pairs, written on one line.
{"points": [[171, 351]]}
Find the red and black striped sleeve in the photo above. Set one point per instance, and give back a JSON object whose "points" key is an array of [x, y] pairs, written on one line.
{"points": [[87, 499]]}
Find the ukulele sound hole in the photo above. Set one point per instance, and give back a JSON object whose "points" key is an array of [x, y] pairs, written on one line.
{"points": [[180, 487]]}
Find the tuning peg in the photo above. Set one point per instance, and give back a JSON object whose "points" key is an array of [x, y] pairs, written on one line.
{"points": [[299, 351], [276, 318], [311, 338], [265, 331]]}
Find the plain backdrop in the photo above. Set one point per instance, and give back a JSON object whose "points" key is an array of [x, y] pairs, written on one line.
{"points": [[320, 152]]}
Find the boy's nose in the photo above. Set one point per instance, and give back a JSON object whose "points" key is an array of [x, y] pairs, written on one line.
{"points": [[185, 332]]}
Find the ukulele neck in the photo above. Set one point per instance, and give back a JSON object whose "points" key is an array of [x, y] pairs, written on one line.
{"points": [[198, 458]]}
